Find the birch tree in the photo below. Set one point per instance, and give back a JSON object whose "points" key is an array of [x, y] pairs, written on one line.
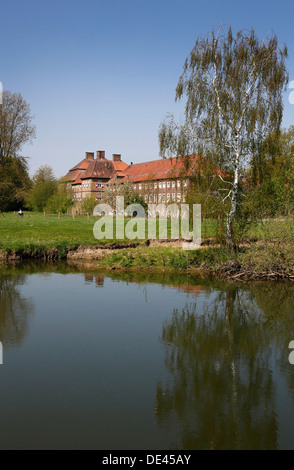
{"points": [[233, 89]]}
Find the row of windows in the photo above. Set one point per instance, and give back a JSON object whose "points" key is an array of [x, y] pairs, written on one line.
{"points": [[163, 197], [162, 185], [87, 184]]}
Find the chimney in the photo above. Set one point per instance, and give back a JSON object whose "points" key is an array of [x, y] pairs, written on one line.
{"points": [[100, 154], [90, 155], [116, 157]]}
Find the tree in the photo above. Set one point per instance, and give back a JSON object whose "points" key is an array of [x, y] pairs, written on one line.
{"points": [[272, 174], [15, 184], [126, 189], [44, 186], [61, 200], [233, 88], [44, 174], [16, 128], [88, 204], [275, 157]]}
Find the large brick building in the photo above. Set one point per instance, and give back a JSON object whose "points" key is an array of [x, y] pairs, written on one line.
{"points": [[157, 181], [89, 176]]}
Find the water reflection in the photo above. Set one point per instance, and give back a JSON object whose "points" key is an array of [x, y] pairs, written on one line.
{"points": [[98, 279], [222, 392], [15, 310], [218, 362]]}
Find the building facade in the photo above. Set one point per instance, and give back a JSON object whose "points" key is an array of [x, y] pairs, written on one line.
{"points": [[88, 178], [160, 181]]}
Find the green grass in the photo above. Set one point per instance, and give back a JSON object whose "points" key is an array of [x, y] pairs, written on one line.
{"points": [[157, 257], [37, 232], [272, 253]]}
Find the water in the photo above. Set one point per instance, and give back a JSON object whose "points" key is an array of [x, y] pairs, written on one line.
{"points": [[137, 361]]}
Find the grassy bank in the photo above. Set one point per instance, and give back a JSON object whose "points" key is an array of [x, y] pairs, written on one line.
{"points": [[251, 262], [266, 252]]}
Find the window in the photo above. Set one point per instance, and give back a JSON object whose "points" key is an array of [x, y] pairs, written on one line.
{"points": [[174, 196], [140, 186], [168, 197], [163, 198], [146, 197], [163, 185], [146, 186], [185, 183], [134, 187], [160, 185], [155, 185], [179, 184], [99, 184], [155, 197], [99, 197], [173, 184], [159, 197], [168, 184], [179, 196]]}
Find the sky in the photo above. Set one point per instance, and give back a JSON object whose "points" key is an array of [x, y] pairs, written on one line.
{"points": [[101, 75]]}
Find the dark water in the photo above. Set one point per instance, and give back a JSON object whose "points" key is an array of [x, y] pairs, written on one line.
{"points": [[131, 361]]}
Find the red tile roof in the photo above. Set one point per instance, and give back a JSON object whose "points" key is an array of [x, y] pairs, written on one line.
{"points": [[83, 165], [162, 169], [77, 181], [78, 170], [153, 170], [120, 168], [101, 168]]}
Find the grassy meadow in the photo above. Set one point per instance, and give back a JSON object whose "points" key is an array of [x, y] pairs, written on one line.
{"points": [[267, 247]]}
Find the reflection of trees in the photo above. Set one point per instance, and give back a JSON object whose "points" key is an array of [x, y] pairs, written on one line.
{"points": [[222, 392], [14, 311]]}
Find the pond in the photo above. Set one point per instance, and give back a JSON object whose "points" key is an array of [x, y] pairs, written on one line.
{"points": [[143, 361]]}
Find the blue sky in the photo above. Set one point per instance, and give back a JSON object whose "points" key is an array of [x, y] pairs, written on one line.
{"points": [[101, 75]]}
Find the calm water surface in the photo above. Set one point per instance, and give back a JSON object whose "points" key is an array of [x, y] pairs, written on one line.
{"points": [[131, 361]]}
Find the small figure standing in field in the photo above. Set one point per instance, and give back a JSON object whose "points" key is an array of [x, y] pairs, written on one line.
{"points": [[20, 213]]}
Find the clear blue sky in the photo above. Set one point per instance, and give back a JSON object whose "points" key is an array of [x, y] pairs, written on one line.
{"points": [[101, 75]]}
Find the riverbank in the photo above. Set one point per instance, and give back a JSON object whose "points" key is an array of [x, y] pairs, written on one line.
{"points": [[252, 261], [266, 253]]}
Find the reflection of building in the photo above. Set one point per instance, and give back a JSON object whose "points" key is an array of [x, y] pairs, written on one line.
{"points": [[98, 278], [196, 290], [159, 181]]}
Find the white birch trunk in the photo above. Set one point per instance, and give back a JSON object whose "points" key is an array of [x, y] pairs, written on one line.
{"points": [[231, 215]]}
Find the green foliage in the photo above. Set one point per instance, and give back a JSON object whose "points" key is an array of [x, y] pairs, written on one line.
{"points": [[44, 187], [40, 195], [14, 184], [131, 196], [273, 180], [88, 204], [61, 200]]}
